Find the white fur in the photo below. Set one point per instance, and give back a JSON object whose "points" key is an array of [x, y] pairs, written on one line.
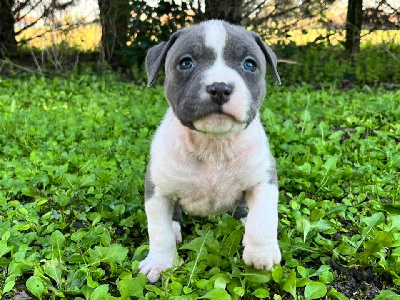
{"points": [[176, 228], [162, 238], [260, 242], [215, 36], [207, 174]]}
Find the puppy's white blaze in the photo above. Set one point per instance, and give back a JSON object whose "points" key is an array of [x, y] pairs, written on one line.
{"points": [[239, 102], [215, 36]]}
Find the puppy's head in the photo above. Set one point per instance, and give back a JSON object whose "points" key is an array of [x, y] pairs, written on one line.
{"points": [[214, 75]]}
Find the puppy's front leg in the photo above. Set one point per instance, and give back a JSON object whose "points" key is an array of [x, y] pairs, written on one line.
{"points": [[261, 248], [159, 212]]}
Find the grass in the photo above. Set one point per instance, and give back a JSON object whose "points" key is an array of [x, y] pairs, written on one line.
{"points": [[72, 161]]}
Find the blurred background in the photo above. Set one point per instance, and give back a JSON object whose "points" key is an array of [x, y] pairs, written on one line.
{"points": [[347, 41]]}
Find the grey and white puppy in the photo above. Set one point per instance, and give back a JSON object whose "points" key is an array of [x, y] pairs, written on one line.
{"points": [[210, 152]]}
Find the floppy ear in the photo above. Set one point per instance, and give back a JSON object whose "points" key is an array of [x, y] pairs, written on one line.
{"points": [[270, 57], [156, 56]]}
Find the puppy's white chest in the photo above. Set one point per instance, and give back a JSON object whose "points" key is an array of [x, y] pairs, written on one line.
{"points": [[206, 175], [209, 190]]}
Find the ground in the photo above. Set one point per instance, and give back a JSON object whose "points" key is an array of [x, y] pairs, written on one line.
{"points": [[73, 155]]}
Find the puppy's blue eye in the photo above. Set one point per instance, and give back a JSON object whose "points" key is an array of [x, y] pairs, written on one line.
{"points": [[249, 65], [186, 63]]}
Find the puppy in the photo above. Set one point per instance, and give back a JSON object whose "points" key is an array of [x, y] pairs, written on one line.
{"points": [[210, 152]]}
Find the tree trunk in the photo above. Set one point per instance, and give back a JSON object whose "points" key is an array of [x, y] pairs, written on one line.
{"points": [[228, 10], [107, 32], [114, 17], [8, 42], [353, 26]]}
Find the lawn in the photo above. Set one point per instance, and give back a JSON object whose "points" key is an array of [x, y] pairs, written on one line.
{"points": [[73, 155]]}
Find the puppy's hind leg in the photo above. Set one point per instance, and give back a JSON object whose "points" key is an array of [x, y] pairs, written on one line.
{"points": [[161, 255], [241, 211], [176, 223]]}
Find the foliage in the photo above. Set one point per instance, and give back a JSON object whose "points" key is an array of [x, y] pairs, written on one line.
{"points": [[73, 155], [151, 25], [316, 64], [323, 63]]}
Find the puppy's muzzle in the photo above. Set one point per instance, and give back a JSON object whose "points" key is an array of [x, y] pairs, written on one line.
{"points": [[220, 92]]}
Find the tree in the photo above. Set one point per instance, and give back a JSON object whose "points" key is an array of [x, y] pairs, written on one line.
{"points": [[130, 28], [353, 26], [12, 12], [385, 14], [150, 25], [7, 34], [381, 15], [228, 10], [263, 16], [114, 19]]}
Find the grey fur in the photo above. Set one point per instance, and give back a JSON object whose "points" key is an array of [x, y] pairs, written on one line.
{"points": [[156, 56], [270, 56], [241, 210], [148, 184], [177, 216], [182, 87], [273, 177]]}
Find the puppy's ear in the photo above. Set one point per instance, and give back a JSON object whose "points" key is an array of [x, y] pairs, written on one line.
{"points": [[270, 56], [156, 56]]}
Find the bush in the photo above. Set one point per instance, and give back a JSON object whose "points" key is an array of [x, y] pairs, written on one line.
{"points": [[321, 63], [151, 25]]}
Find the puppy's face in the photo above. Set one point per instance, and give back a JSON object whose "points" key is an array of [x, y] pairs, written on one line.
{"points": [[214, 76]]}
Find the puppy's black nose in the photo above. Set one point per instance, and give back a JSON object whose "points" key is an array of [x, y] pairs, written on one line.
{"points": [[220, 92]]}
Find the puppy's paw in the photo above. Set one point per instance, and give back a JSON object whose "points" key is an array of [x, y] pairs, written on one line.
{"points": [[262, 257], [176, 228], [153, 265]]}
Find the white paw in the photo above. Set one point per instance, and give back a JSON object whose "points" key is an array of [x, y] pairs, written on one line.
{"points": [[262, 256], [176, 228], [153, 265], [244, 221]]}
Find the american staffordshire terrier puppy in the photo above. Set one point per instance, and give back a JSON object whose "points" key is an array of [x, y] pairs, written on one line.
{"points": [[210, 152]]}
